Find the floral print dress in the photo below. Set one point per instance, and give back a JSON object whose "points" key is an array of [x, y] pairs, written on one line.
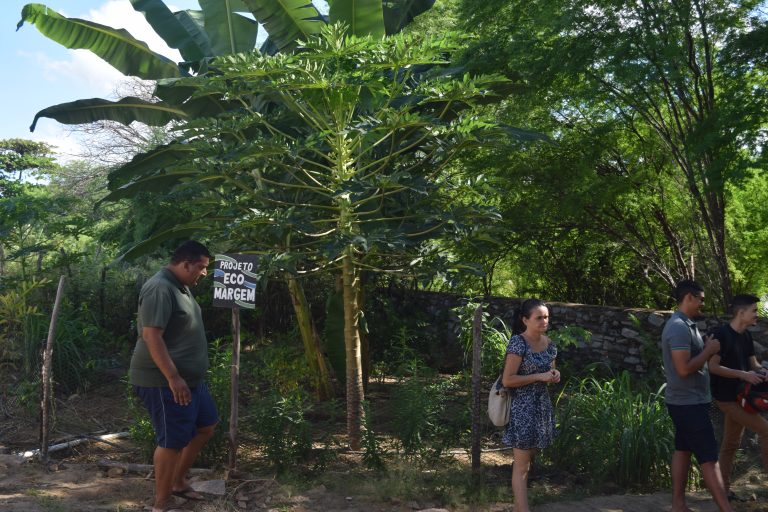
{"points": [[531, 417]]}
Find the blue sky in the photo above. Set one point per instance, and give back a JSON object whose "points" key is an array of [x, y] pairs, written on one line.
{"points": [[40, 73]]}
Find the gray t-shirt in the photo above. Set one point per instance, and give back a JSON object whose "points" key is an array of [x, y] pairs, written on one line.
{"points": [[166, 303], [681, 333]]}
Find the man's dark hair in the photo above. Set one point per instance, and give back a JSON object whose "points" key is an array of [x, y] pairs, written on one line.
{"points": [[685, 287], [189, 251], [742, 301]]}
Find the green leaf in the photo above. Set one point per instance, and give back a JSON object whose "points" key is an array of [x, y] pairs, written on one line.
{"points": [[399, 13], [125, 111], [117, 47], [149, 162], [156, 183], [189, 38], [147, 246], [229, 32], [286, 21], [364, 17], [176, 93], [523, 135]]}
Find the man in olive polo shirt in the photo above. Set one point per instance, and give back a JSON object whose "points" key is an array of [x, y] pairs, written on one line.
{"points": [[168, 369]]}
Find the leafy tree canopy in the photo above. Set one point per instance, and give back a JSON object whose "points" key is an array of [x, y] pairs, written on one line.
{"points": [[19, 157]]}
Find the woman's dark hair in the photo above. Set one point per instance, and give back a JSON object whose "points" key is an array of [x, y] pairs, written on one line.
{"points": [[524, 310], [190, 251]]}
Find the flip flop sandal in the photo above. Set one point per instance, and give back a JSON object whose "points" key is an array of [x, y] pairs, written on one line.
{"points": [[189, 494]]}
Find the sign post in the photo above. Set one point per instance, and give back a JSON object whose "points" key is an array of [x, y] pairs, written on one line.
{"points": [[234, 286]]}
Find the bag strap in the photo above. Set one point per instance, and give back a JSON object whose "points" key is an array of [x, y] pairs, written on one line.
{"points": [[504, 362]]}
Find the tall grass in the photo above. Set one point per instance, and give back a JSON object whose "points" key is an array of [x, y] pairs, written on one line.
{"points": [[614, 433], [425, 421]]}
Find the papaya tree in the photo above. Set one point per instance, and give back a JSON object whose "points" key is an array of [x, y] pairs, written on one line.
{"points": [[341, 150]]}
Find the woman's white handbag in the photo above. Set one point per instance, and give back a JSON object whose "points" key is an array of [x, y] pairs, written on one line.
{"points": [[499, 399]]}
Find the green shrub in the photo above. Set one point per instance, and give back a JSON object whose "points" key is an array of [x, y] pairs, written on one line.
{"points": [[219, 380], [421, 423], [141, 431], [613, 433], [281, 429], [279, 364], [495, 335], [373, 455], [22, 327]]}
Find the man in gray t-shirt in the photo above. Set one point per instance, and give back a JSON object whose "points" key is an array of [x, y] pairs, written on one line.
{"points": [[688, 398], [681, 334], [168, 371]]}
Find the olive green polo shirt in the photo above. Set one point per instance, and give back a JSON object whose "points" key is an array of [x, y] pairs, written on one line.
{"points": [[166, 303]]}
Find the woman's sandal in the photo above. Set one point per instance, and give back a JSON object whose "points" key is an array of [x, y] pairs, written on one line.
{"points": [[189, 494], [167, 508]]}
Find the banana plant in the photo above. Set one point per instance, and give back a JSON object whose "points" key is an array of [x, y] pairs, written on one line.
{"points": [[219, 27]]}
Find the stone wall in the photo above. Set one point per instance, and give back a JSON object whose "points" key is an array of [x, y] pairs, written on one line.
{"points": [[615, 338]]}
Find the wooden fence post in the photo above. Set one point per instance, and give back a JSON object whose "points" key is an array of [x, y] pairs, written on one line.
{"points": [[477, 344], [234, 388], [45, 402]]}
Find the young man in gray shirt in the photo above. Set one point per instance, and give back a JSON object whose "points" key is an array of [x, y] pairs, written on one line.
{"points": [[688, 398]]}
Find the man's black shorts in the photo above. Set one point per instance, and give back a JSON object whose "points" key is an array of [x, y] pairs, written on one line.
{"points": [[175, 425], [693, 431]]}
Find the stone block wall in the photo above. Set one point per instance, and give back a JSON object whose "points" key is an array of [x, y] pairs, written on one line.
{"points": [[615, 338]]}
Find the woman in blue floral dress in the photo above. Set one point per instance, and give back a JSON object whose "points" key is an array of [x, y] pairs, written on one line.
{"points": [[528, 368]]}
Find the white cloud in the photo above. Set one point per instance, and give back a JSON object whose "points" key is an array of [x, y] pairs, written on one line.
{"points": [[83, 71], [87, 71], [88, 75], [120, 14], [67, 147]]}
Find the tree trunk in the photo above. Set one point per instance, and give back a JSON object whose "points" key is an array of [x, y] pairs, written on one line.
{"points": [[102, 297], [365, 346], [318, 368], [355, 392]]}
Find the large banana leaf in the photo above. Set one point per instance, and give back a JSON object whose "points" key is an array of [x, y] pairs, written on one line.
{"points": [[208, 105], [116, 46], [150, 244], [125, 111], [190, 39], [151, 161], [399, 13], [229, 32], [156, 183], [364, 17], [286, 21]]}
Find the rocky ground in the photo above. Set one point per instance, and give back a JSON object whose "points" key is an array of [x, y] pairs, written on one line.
{"points": [[30, 487]]}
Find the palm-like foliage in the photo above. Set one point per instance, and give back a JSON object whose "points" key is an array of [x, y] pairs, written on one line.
{"points": [[335, 161], [219, 27]]}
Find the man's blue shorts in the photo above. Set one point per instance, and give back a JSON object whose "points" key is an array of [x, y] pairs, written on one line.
{"points": [[693, 431], [175, 425]]}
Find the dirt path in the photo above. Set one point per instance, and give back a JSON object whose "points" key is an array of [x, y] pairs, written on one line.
{"points": [[26, 487], [647, 503]]}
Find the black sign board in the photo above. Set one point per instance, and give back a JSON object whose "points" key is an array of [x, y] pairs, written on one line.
{"points": [[234, 281]]}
